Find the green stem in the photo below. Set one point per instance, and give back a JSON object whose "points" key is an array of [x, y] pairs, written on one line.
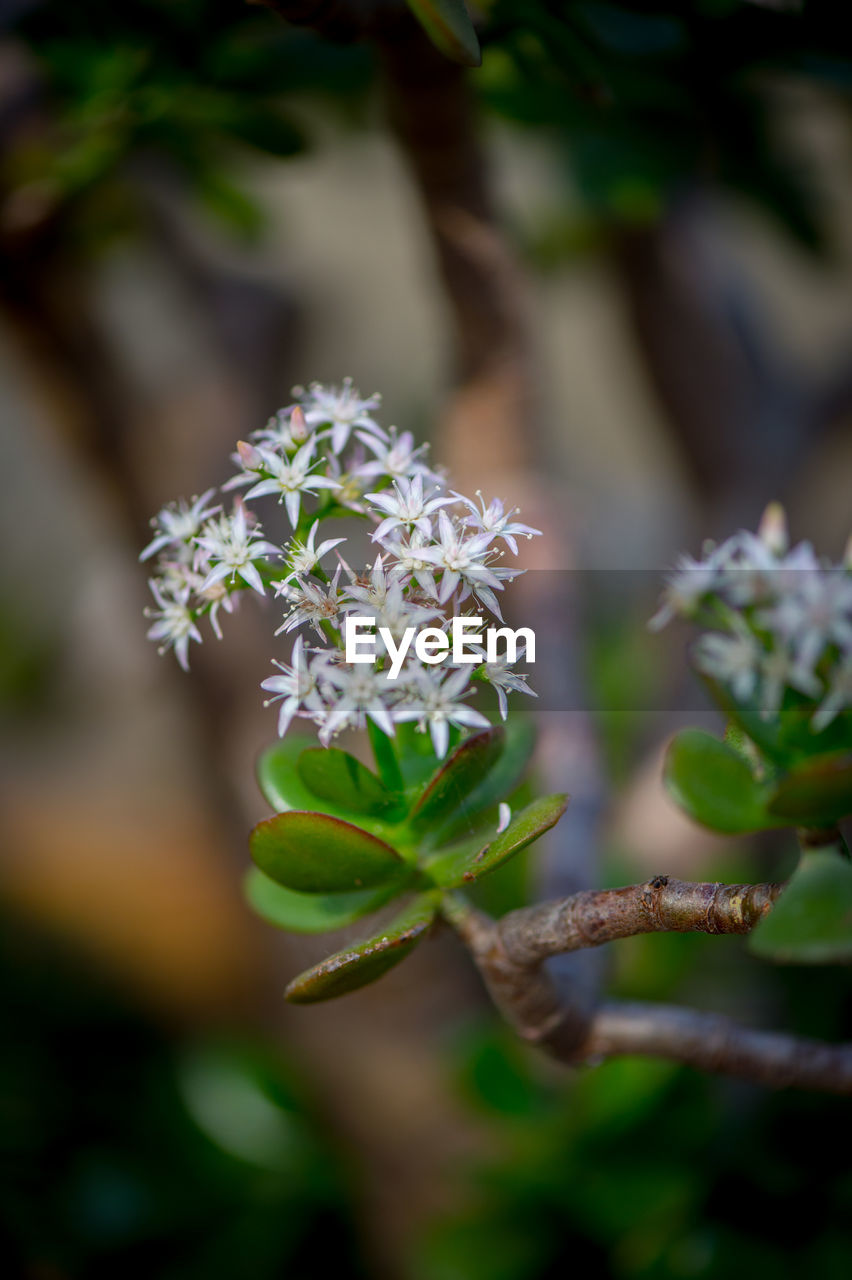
{"points": [[385, 755]]}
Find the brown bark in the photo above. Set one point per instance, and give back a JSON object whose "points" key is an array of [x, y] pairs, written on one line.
{"points": [[662, 905], [509, 955]]}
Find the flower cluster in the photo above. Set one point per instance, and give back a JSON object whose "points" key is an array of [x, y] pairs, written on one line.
{"points": [[782, 618], [435, 554]]}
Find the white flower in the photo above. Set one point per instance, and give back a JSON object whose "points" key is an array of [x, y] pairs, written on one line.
{"points": [[495, 520], [289, 479], [295, 688], [396, 458], [369, 588], [686, 588], [407, 561], [397, 612], [340, 408], [500, 675], [234, 546], [406, 504], [733, 659], [462, 559], [175, 621], [361, 692], [815, 612], [285, 432], [305, 556], [432, 699], [178, 523], [839, 696], [504, 816], [311, 602]]}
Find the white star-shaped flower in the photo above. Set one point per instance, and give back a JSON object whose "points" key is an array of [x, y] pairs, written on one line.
{"points": [[494, 519], [302, 557], [432, 700], [231, 546], [462, 559], [362, 692], [177, 524], [692, 581], [285, 432], [396, 458], [407, 563], [175, 620], [503, 678], [816, 611], [341, 409], [311, 602], [733, 659], [295, 688], [405, 504], [290, 478]]}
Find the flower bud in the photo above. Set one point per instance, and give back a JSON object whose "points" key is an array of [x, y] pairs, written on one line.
{"points": [[772, 529], [298, 425], [249, 456]]}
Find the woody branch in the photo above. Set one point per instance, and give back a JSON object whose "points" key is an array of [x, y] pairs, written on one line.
{"points": [[509, 955]]}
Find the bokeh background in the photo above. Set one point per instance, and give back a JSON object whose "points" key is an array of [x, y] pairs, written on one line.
{"points": [[607, 274]]}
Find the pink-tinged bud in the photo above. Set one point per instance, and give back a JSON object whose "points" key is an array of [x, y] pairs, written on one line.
{"points": [[772, 529], [298, 426], [249, 456]]}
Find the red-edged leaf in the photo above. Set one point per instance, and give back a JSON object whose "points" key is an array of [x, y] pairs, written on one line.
{"points": [[356, 966]]}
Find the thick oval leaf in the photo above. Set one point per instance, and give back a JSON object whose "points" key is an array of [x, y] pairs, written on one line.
{"points": [[312, 912], [811, 923], [816, 794], [498, 783], [355, 966], [462, 770], [316, 853], [714, 785], [284, 788], [336, 776], [470, 860], [447, 24], [279, 777]]}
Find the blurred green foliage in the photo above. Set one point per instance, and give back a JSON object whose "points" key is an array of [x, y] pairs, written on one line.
{"points": [[185, 85], [129, 1152], [646, 100]]}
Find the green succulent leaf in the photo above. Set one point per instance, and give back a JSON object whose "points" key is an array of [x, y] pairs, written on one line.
{"points": [[470, 860], [312, 912], [284, 788], [463, 769], [817, 793], [337, 777], [481, 804], [416, 755], [811, 923], [447, 24], [317, 853], [280, 780], [356, 966], [714, 785]]}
